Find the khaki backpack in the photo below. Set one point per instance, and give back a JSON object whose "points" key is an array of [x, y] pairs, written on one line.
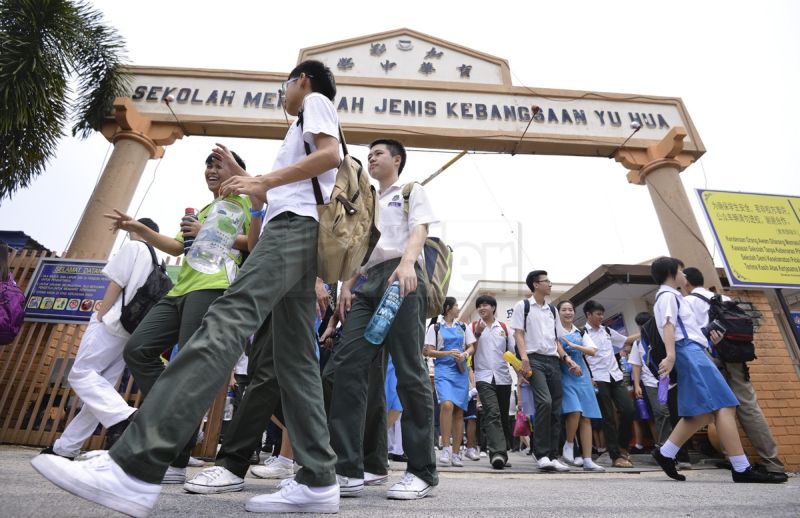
{"points": [[347, 230], [437, 264]]}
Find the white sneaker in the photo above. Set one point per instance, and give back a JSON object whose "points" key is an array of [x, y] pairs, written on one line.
{"points": [[577, 462], [472, 454], [196, 463], [349, 486], [561, 468], [456, 461], [100, 480], [273, 468], [545, 464], [174, 476], [371, 479], [483, 454], [444, 458], [214, 480], [410, 487], [590, 465], [297, 498]]}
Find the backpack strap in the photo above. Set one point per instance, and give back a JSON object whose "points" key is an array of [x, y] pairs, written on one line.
{"points": [[315, 181], [153, 258], [701, 297], [505, 328], [526, 304]]}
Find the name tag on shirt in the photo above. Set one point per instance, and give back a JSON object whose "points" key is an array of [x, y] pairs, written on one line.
{"points": [[395, 204]]}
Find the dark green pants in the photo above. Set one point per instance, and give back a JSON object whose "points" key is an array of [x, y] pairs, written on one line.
{"points": [[495, 400], [613, 397], [171, 321], [404, 342], [547, 396], [277, 278]]}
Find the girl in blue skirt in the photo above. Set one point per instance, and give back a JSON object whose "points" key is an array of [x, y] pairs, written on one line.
{"points": [[579, 405], [703, 395]]}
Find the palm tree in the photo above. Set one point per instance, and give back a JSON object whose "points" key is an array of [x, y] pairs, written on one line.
{"points": [[44, 46]]}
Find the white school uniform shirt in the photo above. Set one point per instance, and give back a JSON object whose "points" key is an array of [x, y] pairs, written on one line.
{"points": [[241, 365], [431, 338], [129, 268], [393, 224], [666, 310], [699, 306], [637, 358], [604, 365], [587, 340], [319, 116], [540, 336], [488, 362]]}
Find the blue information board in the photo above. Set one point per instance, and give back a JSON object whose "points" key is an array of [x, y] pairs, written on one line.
{"points": [[65, 290]]}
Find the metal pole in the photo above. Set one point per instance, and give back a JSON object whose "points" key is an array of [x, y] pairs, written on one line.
{"points": [[445, 166]]}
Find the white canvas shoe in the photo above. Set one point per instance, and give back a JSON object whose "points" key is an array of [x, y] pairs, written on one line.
{"points": [[444, 458], [297, 498], [472, 454], [214, 480], [196, 463], [561, 468], [100, 480], [273, 468], [371, 479], [349, 486], [410, 487], [174, 476], [456, 461], [545, 464]]}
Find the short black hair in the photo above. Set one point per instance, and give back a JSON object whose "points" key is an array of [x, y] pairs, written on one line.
{"points": [[567, 301], [449, 302], [210, 158], [395, 148], [486, 299], [664, 268], [642, 318], [149, 223], [591, 306], [321, 77], [694, 276], [533, 277]]}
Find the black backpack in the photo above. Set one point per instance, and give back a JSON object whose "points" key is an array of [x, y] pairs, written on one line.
{"points": [[154, 288], [737, 344], [653, 344]]}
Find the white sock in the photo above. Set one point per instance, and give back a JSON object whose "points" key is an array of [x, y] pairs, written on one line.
{"points": [[739, 463], [567, 451], [669, 449], [286, 461], [588, 463], [639, 446]]}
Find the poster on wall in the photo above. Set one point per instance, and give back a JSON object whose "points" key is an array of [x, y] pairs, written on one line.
{"points": [[796, 321], [65, 291]]}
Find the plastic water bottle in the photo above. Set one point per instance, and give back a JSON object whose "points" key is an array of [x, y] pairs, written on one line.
{"points": [[382, 319], [215, 239], [663, 390], [641, 408], [190, 214], [227, 413]]}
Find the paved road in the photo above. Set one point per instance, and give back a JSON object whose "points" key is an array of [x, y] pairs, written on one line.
{"points": [[472, 491]]}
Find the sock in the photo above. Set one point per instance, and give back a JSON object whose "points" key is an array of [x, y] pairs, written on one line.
{"points": [[285, 460], [567, 451], [588, 463], [639, 446], [669, 449], [739, 463]]}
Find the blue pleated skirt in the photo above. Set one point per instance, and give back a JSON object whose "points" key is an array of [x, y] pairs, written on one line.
{"points": [[701, 387]]}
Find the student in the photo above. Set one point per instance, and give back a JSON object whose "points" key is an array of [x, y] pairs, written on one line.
{"points": [[535, 338], [646, 385], [738, 377], [278, 278], [99, 362], [703, 395], [579, 405], [395, 258], [450, 343], [492, 377], [612, 393]]}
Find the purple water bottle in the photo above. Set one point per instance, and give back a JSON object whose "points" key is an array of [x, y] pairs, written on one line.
{"points": [[641, 408], [663, 389]]}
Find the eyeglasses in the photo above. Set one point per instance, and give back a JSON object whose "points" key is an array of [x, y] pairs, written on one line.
{"points": [[285, 84], [546, 281]]}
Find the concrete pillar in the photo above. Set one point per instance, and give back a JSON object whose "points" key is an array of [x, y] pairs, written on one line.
{"points": [[658, 167], [136, 139]]}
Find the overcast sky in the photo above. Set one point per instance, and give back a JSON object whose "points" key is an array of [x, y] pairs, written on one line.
{"points": [[736, 65]]}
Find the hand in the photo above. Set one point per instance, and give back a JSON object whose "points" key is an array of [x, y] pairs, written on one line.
{"points": [[122, 221], [573, 367], [249, 185], [323, 298], [232, 382], [716, 336], [407, 276], [463, 356], [519, 407], [224, 156], [453, 353], [480, 326], [637, 391], [330, 330], [345, 303], [327, 343], [190, 227], [525, 371], [665, 367]]}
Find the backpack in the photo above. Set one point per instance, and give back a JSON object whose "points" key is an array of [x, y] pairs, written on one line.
{"points": [[475, 324], [154, 288], [737, 344], [437, 265], [12, 310], [654, 348], [347, 229]]}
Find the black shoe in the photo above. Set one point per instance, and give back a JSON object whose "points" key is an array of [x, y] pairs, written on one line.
{"points": [[49, 451], [723, 464], [755, 476], [115, 431], [637, 451], [498, 462], [255, 458], [778, 476], [668, 465], [398, 458]]}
